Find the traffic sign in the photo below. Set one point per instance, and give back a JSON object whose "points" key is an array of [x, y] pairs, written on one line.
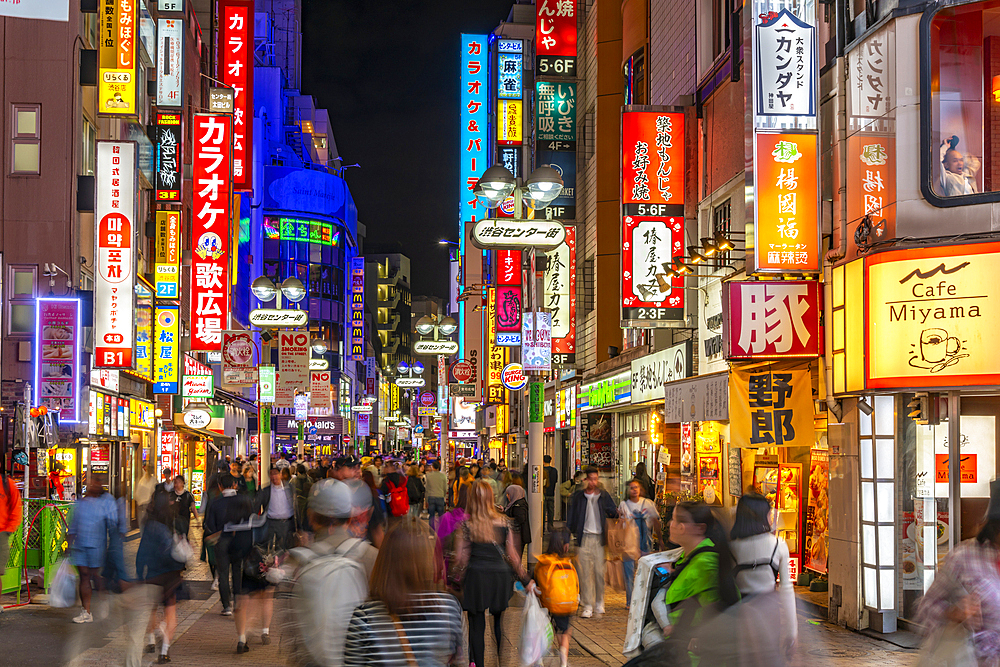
{"points": [[462, 370]]}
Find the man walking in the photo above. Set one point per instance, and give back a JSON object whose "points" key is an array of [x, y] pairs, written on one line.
{"points": [[228, 525], [551, 477], [588, 510], [278, 503], [435, 486]]}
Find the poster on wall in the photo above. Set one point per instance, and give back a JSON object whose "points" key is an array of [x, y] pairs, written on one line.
{"points": [[600, 441], [817, 512], [735, 469], [57, 371], [687, 448]]}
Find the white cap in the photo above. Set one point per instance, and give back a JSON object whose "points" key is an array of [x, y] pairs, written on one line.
{"points": [[337, 499]]}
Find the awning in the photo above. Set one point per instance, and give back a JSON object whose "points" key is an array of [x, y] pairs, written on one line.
{"points": [[216, 440]]}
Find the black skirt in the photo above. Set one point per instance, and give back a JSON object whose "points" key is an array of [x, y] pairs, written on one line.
{"points": [[489, 581]]}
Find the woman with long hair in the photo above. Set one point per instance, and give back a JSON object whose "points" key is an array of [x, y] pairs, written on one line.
{"points": [[487, 554], [408, 619], [515, 505], [648, 485], [250, 477], [641, 512], [761, 561]]}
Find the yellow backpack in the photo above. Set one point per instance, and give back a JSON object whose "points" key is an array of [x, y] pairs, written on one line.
{"points": [[556, 578]]}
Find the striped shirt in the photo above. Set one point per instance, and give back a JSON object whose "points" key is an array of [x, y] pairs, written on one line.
{"points": [[433, 627]]}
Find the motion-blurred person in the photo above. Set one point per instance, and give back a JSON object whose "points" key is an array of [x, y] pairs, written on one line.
{"points": [[10, 512], [588, 510], [282, 461], [556, 589], [488, 474], [301, 485], [415, 491], [568, 488], [487, 553], [347, 467], [463, 478], [277, 502], [250, 479], [435, 485], [447, 541], [394, 492], [226, 525], [144, 492], [966, 589], [94, 516], [408, 619], [184, 507], [550, 480], [648, 485], [643, 514], [515, 505], [154, 565], [761, 560], [377, 521]]}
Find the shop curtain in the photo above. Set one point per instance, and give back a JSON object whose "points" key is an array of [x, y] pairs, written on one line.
{"points": [[769, 408]]}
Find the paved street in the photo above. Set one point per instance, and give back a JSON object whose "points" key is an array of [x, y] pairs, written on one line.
{"points": [[38, 634]]}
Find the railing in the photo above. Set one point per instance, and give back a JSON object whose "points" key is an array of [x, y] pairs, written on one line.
{"points": [[46, 524]]}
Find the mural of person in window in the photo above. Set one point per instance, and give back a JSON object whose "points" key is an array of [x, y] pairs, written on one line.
{"points": [[958, 176]]}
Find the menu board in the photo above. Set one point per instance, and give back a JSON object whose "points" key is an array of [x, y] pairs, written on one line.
{"points": [[58, 368], [598, 429]]}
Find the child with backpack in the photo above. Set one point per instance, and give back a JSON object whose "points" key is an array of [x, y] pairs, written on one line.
{"points": [[559, 587]]}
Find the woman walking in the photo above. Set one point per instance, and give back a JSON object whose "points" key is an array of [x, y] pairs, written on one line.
{"points": [[515, 505], [761, 559], [643, 513], [487, 554], [415, 491], [155, 565], [185, 507], [408, 619], [94, 517]]}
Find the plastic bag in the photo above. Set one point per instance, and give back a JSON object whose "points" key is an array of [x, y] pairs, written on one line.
{"points": [[536, 631], [62, 592], [950, 646], [181, 551]]}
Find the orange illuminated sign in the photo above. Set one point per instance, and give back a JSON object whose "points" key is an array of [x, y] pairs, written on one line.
{"points": [[786, 225], [967, 473], [871, 188]]}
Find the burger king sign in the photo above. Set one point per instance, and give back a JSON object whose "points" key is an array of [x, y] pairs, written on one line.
{"points": [[513, 377]]}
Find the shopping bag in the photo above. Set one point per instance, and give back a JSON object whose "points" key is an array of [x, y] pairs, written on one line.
{"points": [[62, 592], [949, 646], [623, 540], [614, 575], [181, 551], [536, 631]]}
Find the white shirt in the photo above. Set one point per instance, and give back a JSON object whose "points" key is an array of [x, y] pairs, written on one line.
{"points": [[759, 549], [592, 524], [645, 506], [281, 464], [280, 506]]}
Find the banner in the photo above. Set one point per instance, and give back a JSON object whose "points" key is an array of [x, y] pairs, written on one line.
{"points": [[169, 171], [238, 369], [117, 54], [144, 333], [560, 298], [114, 282], [170, 63], [771, 409], [293, 366], [167, 267], [508, 302], [772, 318], [555, 38], [357, 309], [210, 231], [536, 342], [166, 350], [235, 67], [496, 356]]}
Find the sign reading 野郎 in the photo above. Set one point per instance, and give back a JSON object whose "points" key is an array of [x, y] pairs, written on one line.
{"points": [[771, 409]]}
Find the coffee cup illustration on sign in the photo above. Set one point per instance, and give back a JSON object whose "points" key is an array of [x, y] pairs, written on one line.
{"points": [[936, 350]]}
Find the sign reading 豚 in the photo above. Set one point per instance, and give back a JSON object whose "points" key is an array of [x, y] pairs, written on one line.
{"points": [[932, 317]]}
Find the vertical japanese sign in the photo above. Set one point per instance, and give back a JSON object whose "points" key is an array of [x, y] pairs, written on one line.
{"points": [[510, 119], [785, 49], [496, 356], [560, 298], [771, 409], [235, 69], [170, 63], [510, 69], [787, 197], [114, 284], [167, 268], [555, 115], [510, 158], [871, 187], [653, 216], [266, 384], [358, 309], [508, 298], [166, 350], [472, 333], [169, 140], [144, 333], [473, 135], [536, 344], [872, 72], [212, 172], [767, 319], [57, 356], [293, 365], [555, 38], [119, 31]]}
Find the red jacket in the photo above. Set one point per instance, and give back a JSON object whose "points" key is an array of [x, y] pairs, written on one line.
{"points": [[10, 506]]}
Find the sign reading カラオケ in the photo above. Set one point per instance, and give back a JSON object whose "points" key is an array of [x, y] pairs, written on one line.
{"points": [[114, 282], [236, 64], [210, 230]]}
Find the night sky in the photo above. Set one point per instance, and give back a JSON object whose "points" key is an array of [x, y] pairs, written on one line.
{"points": [[387, 71]]}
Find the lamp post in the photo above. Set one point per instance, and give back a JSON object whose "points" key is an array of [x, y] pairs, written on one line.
{"points": [[541, 187], [265, 290]]}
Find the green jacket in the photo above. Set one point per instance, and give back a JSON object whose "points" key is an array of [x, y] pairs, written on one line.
{"points": [[699, 580]]}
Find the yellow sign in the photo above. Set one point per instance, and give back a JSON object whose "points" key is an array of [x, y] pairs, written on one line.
{"points": [[770, 408], [141, 414], [395, 398], [511, 118], [932, 317], [119, 35]]}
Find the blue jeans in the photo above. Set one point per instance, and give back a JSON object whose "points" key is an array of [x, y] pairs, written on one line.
{"points": [[435, 508], [628, 566]]}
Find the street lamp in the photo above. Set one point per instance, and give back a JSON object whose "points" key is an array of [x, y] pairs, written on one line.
{"points": [[544, 185], [265, 290], [495, 185], [320, 346]]}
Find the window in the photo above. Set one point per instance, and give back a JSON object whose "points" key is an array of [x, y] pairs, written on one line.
{"points": [[21, 298], [89, 153], [26, 136], [961, 75], [635, 78], [878, 498], [715, 32], [722, 221]]}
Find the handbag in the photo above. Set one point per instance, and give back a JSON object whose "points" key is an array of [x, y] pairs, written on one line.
{"points": [[623, 540], [949, 646], [181, 551], [614, 574]]}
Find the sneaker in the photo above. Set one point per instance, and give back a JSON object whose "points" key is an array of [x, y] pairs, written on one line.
{"points": [[587, 612], [265, 639], [227, 611], [150, 648], [600, 609], [215, 584], [84, 617], [242, 647], [164, 659]]}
